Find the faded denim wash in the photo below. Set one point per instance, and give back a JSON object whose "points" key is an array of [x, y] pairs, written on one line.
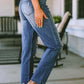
{"points": [[48, 34]]}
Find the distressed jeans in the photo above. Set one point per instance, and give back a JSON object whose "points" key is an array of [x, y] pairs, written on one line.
{"points": [[48, 34]]}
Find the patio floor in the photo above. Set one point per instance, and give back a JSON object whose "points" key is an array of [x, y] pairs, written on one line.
{"points": [[72, 72]]}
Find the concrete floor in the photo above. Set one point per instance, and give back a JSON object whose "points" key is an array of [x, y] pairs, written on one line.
{"points": [[72, 72]]}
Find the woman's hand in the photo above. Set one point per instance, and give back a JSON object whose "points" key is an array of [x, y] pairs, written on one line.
{"points": [[39, 14]]}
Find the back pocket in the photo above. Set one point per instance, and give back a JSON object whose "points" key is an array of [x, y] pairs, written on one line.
{"points": [[27, 7]]}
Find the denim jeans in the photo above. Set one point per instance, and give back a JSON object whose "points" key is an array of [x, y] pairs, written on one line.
{"points": [[48, 34]]}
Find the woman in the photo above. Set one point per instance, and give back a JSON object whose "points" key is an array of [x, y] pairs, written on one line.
{"points": [[35, 16]]}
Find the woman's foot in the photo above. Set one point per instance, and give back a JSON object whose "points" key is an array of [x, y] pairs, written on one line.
{"points": [[31, 82]]}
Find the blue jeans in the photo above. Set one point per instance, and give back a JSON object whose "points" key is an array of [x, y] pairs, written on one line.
{"points": [[48, 34]]}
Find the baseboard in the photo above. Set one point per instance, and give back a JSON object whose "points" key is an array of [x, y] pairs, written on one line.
{"points": [[76, 52]]}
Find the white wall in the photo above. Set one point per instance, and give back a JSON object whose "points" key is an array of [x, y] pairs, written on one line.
{"points": [[50, 5], [7, 8], [55, 6]]}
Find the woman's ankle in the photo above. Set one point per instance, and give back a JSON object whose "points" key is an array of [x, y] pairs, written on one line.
{"points": [[31, 82]]}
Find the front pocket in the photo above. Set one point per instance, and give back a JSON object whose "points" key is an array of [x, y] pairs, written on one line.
{"points": [[27, 7]]}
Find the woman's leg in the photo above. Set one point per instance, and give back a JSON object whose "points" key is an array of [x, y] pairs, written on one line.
{"points": [[49, 35], [27, 57]]}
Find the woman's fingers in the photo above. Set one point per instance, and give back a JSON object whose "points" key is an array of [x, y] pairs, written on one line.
{"points": [[39, 15], [39, 19], [36, 20], [39, 22], [45, 16]]}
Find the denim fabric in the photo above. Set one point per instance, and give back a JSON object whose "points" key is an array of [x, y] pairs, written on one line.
{"points": [[33, 53], [48, 34], [34, 41]]}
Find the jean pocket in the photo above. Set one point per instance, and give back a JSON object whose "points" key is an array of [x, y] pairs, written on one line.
{"points": [[27, 7]]}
